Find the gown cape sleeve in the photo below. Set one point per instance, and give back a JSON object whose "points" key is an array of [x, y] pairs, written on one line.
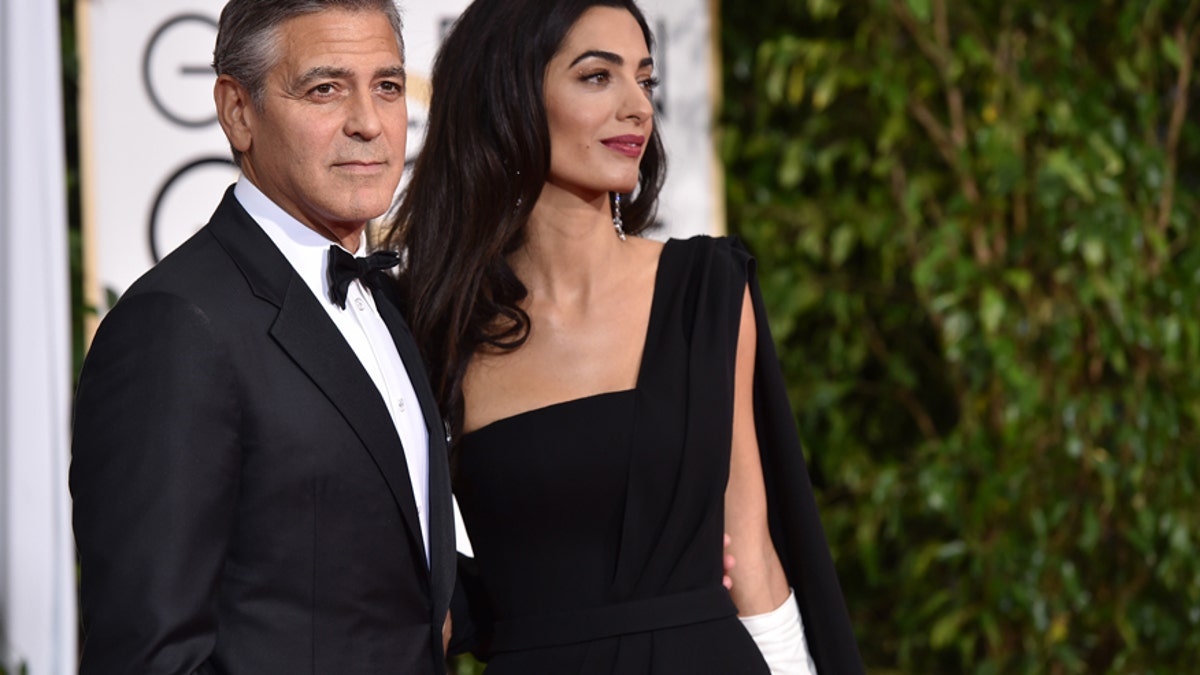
{"points": [[792, 510]]}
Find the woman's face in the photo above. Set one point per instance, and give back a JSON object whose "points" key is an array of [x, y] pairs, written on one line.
{"points": [[597, 93]]}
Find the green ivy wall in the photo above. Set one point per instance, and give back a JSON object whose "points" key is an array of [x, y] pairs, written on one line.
{"points": [[976, 230]]}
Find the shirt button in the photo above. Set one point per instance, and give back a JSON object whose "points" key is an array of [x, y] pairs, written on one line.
{"points": [[400, 404], [360, 304]]}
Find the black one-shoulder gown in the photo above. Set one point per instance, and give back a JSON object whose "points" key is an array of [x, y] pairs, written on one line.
{"points": [[597, 523]]}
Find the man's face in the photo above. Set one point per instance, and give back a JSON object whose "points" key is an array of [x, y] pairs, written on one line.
{"points": [[327, 144]]}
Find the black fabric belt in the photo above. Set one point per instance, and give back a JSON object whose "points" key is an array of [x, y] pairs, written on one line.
{"points": [[595, 623]]}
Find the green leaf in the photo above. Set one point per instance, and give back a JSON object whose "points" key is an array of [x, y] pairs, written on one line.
{"points": [[946, 630], [791, 167], [1020, 280], [1061, 164], [824, 91], [795, 89], [1093, 251], [842, 244], [824, 9], [1170, 51], [920, 9], [991, 309]]}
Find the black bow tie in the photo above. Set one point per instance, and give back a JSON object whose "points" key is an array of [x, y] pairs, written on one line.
{"points": [[345, 268]]}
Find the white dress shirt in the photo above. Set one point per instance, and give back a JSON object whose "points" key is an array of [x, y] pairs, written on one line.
{"points": [[361, 325]]}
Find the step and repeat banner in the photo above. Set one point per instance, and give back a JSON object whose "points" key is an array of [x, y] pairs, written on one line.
{"points": [[155, 162]]}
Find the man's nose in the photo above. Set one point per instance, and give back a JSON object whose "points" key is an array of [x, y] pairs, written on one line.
{"points": [[363, 118]]}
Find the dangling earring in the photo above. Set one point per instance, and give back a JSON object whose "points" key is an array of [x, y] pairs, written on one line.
{"points": [[617, 224]]}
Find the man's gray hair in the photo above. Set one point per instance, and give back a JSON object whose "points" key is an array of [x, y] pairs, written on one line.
{"points": [[248, 37]]}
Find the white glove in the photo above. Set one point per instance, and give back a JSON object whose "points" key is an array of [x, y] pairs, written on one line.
{"points": [[779, 635]]}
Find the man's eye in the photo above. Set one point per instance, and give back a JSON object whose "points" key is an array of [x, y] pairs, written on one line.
{"points": [[323, 89]]}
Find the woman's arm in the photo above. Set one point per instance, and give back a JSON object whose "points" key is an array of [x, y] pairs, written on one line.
{"points": [[759, 583], [760, 590]]}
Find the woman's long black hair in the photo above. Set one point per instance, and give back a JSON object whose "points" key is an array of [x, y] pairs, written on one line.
{"points": [[484, 161]]}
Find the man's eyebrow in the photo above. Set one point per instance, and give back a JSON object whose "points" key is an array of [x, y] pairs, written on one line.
{"points": [[615, 59], [392, 73], [321, 73], [336, 73]]}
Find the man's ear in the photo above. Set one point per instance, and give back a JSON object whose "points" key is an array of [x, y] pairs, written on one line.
{"points": [[235, 111]]}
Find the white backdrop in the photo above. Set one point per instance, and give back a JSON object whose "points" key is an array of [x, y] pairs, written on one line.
{"points": [[37, 561], [156, 162]]}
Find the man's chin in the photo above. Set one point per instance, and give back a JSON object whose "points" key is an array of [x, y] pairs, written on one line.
{"points": [[368, 201]]}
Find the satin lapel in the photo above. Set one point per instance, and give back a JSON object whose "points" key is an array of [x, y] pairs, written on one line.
{"points": [[442, 559], [304, 331]]}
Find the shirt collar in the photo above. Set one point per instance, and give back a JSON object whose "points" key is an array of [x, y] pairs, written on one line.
{"points": [[306, 249]]}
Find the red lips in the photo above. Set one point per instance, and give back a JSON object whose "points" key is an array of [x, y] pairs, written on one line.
{"points": [[629, 145]]}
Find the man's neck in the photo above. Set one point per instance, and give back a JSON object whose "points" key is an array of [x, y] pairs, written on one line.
{"points": [[348, 239], [347, 235]]}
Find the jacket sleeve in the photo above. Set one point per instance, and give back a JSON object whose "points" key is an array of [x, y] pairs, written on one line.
{"points": [[154, 478]]}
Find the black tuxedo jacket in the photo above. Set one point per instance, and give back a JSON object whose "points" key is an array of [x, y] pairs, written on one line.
{"points": [[241, 498]]}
